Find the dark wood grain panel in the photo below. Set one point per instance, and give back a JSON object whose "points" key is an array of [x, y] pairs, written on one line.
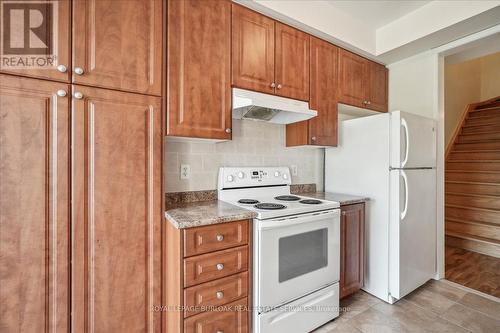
{"points": [[116, 211], [34, 205], [118, 44], [252, 50]]}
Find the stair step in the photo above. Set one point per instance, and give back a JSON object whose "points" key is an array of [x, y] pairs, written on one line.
{"points": [[477, 165], [495, 111], [493, 104], [473, 176], [484, 120], [473, 200], [481, 129], [472, 187], [464, 137], [473, 243], [484, 230], [472, 214], [493, 145], [475, 155]]}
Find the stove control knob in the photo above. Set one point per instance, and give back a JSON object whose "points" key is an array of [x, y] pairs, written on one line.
{"points": [[230, 178], [276, 174], [241, 175], [285, 176]]}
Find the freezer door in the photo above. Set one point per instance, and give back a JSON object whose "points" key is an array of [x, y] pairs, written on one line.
{"points": [[413, 141], [412, 230]]}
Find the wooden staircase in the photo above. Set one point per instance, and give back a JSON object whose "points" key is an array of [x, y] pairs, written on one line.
{"points": [[472, 188]]}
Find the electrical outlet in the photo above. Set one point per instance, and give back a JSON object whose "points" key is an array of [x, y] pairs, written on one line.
{"points": [[185, 171], [294, 170]]}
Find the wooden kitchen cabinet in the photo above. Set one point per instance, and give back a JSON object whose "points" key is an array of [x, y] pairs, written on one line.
{"points": [[322, 129], [214, 271], [352, 230], [362, 83], [118, 44], [116, 219], [34, 205], [268, 56], [61, 69], [252, 50], [199, 69]]}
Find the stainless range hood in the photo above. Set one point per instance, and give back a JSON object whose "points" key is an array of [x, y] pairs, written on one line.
{"points": [[274, 109]]}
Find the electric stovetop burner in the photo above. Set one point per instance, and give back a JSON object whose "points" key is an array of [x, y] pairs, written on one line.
{"points": [[287, 198], [310, 201], [248, 201], [268, 205]]}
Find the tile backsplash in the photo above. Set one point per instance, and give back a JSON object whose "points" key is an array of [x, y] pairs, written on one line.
{"points": [[254, 144]]}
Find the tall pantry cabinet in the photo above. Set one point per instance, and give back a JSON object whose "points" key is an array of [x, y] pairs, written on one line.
{"points": [[80, 173]]}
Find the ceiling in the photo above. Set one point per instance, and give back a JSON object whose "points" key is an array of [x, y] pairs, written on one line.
{"points": [[376, 13]]}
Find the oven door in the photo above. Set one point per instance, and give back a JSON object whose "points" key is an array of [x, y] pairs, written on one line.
{"points": [[296, 256]]}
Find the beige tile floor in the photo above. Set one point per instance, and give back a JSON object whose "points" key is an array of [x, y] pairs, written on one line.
{"points": [[435, 307]]}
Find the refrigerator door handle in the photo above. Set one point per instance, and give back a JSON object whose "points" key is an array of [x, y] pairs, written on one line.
{"points": [[405, 210], [404, 124]]}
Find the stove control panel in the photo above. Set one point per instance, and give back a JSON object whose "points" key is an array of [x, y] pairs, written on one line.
{"points": [[231, 177]]}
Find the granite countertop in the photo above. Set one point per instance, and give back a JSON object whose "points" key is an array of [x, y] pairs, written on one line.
{"points": [[343, 199], [196, 214]]}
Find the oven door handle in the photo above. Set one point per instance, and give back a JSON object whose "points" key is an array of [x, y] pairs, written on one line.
{"points": [[289, 221]]}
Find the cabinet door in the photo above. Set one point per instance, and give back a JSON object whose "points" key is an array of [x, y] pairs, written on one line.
{"points": [[324, 78], [118, 44], [58, 41], [199, 69], [353, 79], [352, 231], [34, 205], [252, 50], [116, 211], [378, 80], [292, 62]]}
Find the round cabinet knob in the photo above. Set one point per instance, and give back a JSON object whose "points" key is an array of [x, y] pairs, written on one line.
{"points": [[230, 178], [219, 294], [62, 68], [61, 93], [219, 331], [220, 238], [78, 70], [241, 175], [273, 85], [276, 174], [228, 130], [78, 95], [285, 176], [220, 267], [368, 102], [313, 138], [343, 213], [279, 86]]}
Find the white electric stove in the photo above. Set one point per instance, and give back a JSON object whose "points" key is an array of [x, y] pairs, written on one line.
{"points": [[296, 249]]}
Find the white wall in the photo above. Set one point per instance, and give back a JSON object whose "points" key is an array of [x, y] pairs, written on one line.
{"points": [[254, 144]]}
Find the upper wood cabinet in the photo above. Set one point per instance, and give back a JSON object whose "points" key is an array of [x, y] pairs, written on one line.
{"points": [[118, 44], [252, 50], [199, 69], [116, 211], [34, 205], [322, 129], [362, 82], [268, 56], [61, 69]]}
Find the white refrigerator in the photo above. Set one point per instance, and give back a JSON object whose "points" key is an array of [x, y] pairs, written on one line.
{"points": [[391, 158]]}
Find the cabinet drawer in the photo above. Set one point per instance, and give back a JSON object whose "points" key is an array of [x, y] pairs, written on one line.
{"points": [[234, 320], [215, 293], [215, 237], [211, 266]]}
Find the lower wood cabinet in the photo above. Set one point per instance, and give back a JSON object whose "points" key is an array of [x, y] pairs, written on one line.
{"points": [[213, 288], [34, 205], [352, 239]]}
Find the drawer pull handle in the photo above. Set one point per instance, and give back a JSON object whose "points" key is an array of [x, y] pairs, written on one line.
{"points": [[220, 238], [220, 295], [220, 267]]}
